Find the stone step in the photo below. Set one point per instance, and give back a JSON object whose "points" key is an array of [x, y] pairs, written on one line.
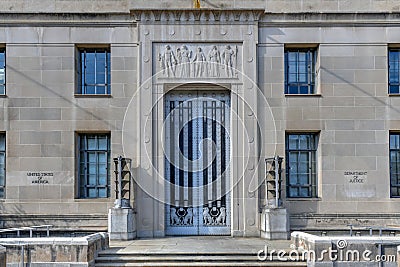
{"points": [[129, 258], [194, 252], [202, 264], [114, 252], [173, 254]]}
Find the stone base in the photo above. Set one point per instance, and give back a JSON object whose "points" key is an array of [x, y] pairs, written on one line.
{"points": [[54, 251], [121, 224], [275, 224], [2, 256]]}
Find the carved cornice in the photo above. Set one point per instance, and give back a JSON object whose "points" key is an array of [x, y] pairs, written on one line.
{"points": [[66, 20], [329, 19], [197, 16]]}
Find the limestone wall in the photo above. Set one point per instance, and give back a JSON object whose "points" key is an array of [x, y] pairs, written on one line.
{"points": [[42, 116], [352, 112], [270, 6], [55, 251], [3, 258], [65, 6]]}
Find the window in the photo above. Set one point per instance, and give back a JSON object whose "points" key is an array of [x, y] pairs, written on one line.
{"points": [[94, 163], [301, 165], [394, 70], [300, 71], [2, 71], [94, 71], [2, 164], [394, 150]]}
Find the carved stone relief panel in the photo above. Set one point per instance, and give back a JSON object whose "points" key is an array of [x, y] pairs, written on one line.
{"points": [[181, 216], [197, 60]]}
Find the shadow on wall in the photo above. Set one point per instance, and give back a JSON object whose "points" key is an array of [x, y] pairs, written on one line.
{"points": [[82, 109], [360, 89]]}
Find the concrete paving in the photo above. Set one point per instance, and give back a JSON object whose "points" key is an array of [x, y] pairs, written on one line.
{"points": [[197, 245]]}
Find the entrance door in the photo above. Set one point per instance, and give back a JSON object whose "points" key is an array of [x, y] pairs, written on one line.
{"points": [[197, 155]]}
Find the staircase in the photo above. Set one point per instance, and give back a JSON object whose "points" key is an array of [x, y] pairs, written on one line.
{"points": [[114, 259], [194, 252]]}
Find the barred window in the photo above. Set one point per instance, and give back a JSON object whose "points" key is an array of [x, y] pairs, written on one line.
{"points": [[300, 71], [94, 165], [301, 165], [394, 71], [2, 71], [94, 72], [394, 147]]}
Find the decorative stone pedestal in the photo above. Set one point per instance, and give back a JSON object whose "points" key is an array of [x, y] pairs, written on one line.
{"points": [[121, 224], [275, 224]]}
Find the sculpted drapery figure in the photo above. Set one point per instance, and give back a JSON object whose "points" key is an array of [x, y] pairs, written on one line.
{"points": [[168, 61], [199, 62], [178, 63], [229, 59], [184, 59], [214, 58]]}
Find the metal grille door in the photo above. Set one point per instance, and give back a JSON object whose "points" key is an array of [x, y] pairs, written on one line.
{"points": [[197, 155]]}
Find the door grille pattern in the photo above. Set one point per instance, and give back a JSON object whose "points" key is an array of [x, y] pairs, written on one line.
{"points": [[196, 164]]}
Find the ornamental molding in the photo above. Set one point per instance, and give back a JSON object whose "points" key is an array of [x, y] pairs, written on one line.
{"points": [[197, 60], [197, 15]]}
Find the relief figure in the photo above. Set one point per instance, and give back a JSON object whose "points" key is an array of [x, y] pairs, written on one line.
{"points": [[168, 62], [184, 60], [199, 62], [214, 58], [229, 60]]}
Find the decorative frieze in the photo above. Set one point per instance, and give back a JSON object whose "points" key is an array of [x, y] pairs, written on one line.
{"points": [[197, 60], [176, 16]]}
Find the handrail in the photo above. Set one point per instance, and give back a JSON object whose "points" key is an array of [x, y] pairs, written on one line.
{"points": [[372, 228], [30, 229]]}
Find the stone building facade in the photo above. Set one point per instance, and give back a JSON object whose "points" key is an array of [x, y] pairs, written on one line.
{"points": [[313, 81]]}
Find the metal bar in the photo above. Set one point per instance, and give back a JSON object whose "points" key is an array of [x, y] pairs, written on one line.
{"points": [[213, 153], [95, 71], [276, 181], [380, 255], [22, 255], [351, 229], [172, 152], [120, 180], [180, 155], [205, 155], [190, 154], [223, 156]]}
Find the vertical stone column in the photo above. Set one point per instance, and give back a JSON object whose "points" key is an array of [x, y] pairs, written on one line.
{"points": [[121, 218], [3, 256], [274, 218]]}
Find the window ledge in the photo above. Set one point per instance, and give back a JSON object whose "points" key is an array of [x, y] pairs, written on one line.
{"points": [[301, 95], [3, 96], [390, 95], [91, 96], [304, 199], [108, 199]]}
